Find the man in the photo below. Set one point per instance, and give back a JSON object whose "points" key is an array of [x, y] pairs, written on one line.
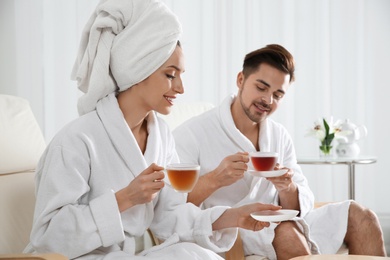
{"points": [[220, 140]]}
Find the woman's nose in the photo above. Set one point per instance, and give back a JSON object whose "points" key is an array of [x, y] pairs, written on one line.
{"points": [[178, 87]]}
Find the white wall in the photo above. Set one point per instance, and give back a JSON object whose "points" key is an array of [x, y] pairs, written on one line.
{"points": [[341, 50]]}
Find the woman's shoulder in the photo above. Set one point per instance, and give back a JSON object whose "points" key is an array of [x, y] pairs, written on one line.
{"points": [[79, 128]]}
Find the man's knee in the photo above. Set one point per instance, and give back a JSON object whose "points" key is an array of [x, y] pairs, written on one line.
{"points": [[364, 233], [288, 229], [290, 240], [360, 214]]}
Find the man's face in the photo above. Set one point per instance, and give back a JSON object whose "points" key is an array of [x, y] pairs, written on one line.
{"points": [[261, 92]]}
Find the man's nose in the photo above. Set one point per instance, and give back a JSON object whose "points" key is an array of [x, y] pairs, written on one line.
{"points": [[268, 99]]}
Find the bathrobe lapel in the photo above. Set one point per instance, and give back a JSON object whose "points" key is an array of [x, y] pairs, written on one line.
{"points": [[118, 131], [127, 147], [154, 145]]}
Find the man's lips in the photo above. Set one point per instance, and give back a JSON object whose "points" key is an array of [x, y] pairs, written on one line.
{"points": [[262, 107]]}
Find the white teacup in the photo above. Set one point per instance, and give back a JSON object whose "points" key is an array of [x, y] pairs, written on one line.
{"points": [[264, 161], [183, 176]]}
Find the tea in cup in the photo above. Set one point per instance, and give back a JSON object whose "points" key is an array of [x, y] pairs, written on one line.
{"points": [[264, 161], [183, 176]]}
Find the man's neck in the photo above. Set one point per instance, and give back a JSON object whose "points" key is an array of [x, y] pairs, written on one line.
{"points": [[246, 126]]}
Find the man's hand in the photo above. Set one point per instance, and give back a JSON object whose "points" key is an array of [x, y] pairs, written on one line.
{"points": [[283, 182], [287, 189], [230, 170]]}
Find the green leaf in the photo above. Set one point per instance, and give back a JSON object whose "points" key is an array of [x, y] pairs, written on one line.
{"points": [[328, 139], [326, 127]]}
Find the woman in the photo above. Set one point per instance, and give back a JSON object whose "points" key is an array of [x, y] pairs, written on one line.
{"points": [[99, 182]]}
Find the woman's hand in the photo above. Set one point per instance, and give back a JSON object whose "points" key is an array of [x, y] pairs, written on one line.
{"points": [[142, 189], [240, 217]]}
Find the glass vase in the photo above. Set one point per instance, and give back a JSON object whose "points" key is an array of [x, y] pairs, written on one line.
{"points": [[326, 151]]}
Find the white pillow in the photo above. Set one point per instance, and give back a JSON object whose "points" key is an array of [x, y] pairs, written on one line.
{"points": [[21, 139], [181, 112]]}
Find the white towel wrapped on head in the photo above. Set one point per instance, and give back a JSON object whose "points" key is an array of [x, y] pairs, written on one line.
{"points": [[123, 43]]}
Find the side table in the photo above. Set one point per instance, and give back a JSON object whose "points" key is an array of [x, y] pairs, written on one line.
{"points": [[351, 162]]}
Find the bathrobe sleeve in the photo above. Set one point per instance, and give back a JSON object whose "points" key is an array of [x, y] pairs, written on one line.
{"points": [[97, 223], [66, 219], [190, 222]]}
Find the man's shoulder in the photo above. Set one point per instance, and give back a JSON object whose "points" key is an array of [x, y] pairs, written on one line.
{"points": [[197, 125], [274, 123], [276, 126]]}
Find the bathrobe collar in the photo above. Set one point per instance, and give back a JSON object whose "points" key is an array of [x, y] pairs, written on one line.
{"points": [[236, 136], [117, 129]]}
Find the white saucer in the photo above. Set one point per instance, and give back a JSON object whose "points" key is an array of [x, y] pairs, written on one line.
{"points": [[275, 215], [267, 174]]}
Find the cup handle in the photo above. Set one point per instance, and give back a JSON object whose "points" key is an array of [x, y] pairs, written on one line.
{"points": [[168, 184], [362, 132], [165, 179]]}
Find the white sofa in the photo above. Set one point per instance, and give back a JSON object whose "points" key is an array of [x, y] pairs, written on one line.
{"points": [[21, 145]]}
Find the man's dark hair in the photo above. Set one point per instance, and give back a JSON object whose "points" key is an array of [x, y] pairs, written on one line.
{"points": [[273, 54]]}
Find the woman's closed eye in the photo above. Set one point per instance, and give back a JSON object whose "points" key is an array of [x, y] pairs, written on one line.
{"points": [[169, 76]]}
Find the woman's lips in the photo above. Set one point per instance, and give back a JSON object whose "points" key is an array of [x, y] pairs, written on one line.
{"points": [[169, 99]]}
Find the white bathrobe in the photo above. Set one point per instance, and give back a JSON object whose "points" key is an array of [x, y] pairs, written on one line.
{"points": [[208, 138], [76, 211]]}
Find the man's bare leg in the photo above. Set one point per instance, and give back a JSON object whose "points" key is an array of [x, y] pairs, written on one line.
{"points": [[289, 241], [364, 234]]}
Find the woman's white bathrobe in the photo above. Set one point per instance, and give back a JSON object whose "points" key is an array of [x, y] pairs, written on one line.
{"points": [[208, 138], [76, 211]]}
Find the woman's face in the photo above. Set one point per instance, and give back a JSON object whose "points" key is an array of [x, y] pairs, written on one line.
{"points": [[159, 90]]}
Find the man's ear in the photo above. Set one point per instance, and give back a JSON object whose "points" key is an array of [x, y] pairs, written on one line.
{"points": [[240, 79]]}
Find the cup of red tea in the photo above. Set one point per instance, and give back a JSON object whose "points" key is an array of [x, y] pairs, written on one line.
{"points": [[264, 161], [183, 176]]}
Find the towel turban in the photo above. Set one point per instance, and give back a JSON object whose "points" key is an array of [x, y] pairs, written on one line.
{"points": [[123, 43]]}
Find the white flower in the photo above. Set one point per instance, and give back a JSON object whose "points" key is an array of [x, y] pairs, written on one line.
{"points": [[339, 132], [318, 130]]}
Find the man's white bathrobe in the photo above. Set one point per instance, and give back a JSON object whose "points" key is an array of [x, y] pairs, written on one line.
{"points": [[208, 138], [76, 211]]}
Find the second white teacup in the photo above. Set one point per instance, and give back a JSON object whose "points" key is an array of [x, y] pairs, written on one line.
{"points": [[183, 176]]}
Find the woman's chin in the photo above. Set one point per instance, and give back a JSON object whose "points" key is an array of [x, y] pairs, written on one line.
{"points": [[164, 111]]}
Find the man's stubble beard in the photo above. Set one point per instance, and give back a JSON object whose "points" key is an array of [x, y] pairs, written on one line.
{"points": [[252, 117]]}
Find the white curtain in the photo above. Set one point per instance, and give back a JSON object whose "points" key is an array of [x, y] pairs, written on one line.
{"points": [[342, 60]]}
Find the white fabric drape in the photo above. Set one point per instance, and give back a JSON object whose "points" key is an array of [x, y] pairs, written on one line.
{"points": [[341, 50]]}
